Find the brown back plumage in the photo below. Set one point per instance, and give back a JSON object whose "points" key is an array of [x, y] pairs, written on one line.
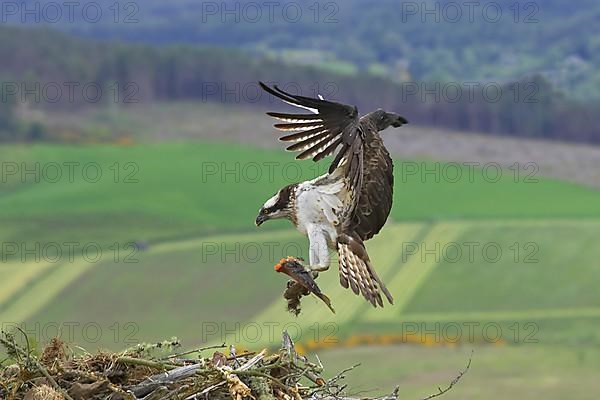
{"points": [[374, 202]]}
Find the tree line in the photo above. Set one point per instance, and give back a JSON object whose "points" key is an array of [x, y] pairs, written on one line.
{"points": [[46, 69]]}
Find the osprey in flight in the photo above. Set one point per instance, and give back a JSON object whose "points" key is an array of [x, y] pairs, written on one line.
{"points": [[349, 204]]}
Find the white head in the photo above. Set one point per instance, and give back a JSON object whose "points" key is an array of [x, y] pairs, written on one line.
{"points": [[278, 206]]}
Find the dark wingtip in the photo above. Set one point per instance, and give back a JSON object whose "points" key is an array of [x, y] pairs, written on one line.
{"points": [[379, 300], [388, 296], [269, 89]]}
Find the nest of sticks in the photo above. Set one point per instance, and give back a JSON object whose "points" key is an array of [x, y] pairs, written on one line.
{"points": [[58, 374]]}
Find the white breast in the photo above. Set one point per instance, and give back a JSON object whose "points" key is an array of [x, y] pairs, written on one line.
{"points": [[319, 206]]}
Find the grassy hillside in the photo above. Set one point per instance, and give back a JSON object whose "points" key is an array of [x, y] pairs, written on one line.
{"points": [[162, 192], [206, 275]]}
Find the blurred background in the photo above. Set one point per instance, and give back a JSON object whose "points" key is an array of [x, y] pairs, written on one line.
{"points": [[135, 155]]}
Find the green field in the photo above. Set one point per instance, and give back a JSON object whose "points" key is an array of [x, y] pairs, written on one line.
{"points": [[207, 274], [161, 192], [533, 372]]}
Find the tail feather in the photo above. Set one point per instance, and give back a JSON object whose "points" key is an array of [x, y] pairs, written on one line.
{"points": [[357, 272]]}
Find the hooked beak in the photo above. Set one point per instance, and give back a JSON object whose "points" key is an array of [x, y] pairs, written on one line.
{"points": [[399, 122], [260, 219]]}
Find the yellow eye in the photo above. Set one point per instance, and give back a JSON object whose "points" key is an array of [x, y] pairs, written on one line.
{"points": [[264, 211]]}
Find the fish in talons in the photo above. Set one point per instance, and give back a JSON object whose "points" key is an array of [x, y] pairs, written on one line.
{"points": [[293, 268]]}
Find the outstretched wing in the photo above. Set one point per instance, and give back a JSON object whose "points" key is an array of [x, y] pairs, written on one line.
{"points": [[319, 134], [365, 215]]}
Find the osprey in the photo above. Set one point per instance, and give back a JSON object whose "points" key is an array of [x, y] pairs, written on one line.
{"points": [[351, 202]]}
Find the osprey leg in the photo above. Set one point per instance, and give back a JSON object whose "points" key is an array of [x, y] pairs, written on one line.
{"points": [[318, 252]]}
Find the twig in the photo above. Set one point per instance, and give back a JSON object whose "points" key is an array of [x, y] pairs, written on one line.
{"points": [[454, 381], [253, 361], [145, 363], [262, 375], [199, 350], [26, 341], [244, 354], [341, 374], [331, 387]]}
